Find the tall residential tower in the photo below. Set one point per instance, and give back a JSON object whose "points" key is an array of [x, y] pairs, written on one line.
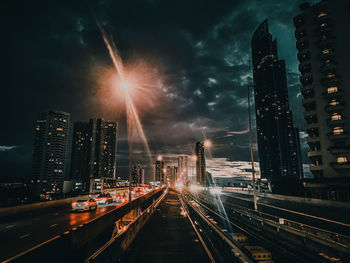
{"points": [[49, 155], [323, 41]]}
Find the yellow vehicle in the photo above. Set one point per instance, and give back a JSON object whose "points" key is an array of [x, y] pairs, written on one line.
{"points": [[259, 254]]}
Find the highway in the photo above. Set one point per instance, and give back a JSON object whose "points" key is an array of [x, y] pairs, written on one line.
{"points": [[24, 231]]}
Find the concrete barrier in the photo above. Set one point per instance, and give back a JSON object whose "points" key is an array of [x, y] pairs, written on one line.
{"points": [[81, 242], [14, 210], [303, 200]]}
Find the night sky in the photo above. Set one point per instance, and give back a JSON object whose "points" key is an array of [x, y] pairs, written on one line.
{"points": [[196, 55]]}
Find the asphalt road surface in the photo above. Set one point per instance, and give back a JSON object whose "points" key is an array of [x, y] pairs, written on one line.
{"points": [[24, 231]]}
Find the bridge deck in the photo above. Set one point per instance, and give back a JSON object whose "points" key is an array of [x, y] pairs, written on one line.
{"points": [[167, 237]]}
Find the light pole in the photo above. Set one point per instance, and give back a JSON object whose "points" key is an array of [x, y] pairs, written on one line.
{"points": [[251, 149], [130, 159]]}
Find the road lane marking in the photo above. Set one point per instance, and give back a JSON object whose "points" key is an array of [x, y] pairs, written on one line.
{"points": [[53, 225], [9, 226], [23, 236], [30, 249]]}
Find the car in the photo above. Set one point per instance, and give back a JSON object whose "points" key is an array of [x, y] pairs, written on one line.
{"points": [[84, 204], [104, 199]]}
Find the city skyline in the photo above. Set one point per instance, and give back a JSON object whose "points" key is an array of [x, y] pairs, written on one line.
{"points": [[202, 98]]}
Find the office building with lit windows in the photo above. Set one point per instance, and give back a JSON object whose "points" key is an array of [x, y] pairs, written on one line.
{"points": [[323, 41], [49, 154], [279, 152]]}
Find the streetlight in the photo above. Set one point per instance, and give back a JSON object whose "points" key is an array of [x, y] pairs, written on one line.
{"points": [[126, 88], [251, 149]]}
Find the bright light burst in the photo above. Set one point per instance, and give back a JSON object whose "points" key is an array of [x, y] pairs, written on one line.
{"points": [[131, 82]]}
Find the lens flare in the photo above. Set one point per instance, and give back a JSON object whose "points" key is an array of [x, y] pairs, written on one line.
{"points": [[127, 84]]}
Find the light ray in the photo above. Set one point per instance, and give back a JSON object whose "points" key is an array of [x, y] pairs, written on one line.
{"points": [[132, 116]]}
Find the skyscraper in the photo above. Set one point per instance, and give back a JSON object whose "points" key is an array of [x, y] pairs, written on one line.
{"points": [[108, 148], [159, 170], [182, 161], [201, 176], [138, 175], [323, 41], [93, 151], [277, 143], [49, 155], [171, 174], [81, 155]]}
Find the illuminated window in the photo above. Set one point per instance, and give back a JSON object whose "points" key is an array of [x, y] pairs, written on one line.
{"points": [[59, 129], [338, 130], [323, 14], [330, 75], [323, 25], [326, 51], [342, 159], [332, 89], [333, 103], [335, 117]]}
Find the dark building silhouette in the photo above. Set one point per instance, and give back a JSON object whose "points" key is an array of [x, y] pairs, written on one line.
{"points": [[159, 170], [49, 155], [201, 177], [93, 152], [279, 155], [138, 175], [81, 155], [323, 41]]}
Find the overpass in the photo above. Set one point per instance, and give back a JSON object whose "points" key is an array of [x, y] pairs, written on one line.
{"points": [[168, 225]]}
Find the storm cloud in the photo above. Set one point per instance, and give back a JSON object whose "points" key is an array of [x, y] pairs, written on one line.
{"points": [[54, 56]]}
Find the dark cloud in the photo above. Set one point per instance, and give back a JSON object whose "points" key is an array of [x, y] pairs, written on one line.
{"points": [[53, 56]]}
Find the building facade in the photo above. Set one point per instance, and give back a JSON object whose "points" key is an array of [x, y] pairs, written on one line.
{"points": [[138, 175], [93, 152], [81, 155], [201, 177], [49, 154], [182, 164], [171, 172], [323, 41], [278, 148], [159, 170]]}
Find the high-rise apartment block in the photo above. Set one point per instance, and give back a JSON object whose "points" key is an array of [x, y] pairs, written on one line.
{"points": [[323, 41], [93, 152], [49, 155]]}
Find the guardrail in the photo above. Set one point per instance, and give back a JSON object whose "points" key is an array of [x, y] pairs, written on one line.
{"points": [[325, 237], [18, 209], [304, 200], [114, 248]]}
